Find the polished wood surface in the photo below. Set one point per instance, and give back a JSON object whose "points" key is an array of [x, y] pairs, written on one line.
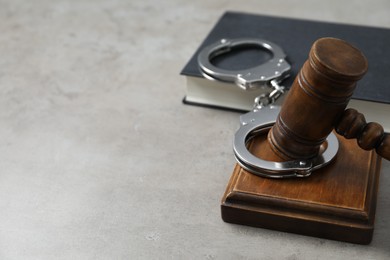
{"points": [[317, 98], [369, 135], [337, 202]]}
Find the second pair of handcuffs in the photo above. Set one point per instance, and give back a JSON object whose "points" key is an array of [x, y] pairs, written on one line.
{"points": [[258, 121]]}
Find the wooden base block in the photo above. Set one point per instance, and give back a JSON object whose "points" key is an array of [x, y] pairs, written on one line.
{"points": [[337, 202]]}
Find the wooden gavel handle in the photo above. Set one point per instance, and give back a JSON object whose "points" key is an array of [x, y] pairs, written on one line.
{"points": [[369, 135]]}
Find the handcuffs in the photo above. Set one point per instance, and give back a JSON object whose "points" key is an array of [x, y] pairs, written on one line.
{"points": [[258, 121]]}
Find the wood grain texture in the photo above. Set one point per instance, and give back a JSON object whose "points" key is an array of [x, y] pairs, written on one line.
{"points": [[369, 136], [337, 202], [317, 98]]}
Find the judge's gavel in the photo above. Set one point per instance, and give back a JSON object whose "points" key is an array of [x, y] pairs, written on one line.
{"points": [[316, 102]]}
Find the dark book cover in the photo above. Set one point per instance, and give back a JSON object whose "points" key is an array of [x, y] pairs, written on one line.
{"points": [[296, 36]]}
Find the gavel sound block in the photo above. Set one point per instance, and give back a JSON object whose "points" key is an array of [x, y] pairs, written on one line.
{"points": [[338, 201]]}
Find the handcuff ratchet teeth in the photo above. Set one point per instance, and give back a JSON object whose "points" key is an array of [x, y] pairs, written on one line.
{"points": [[275, 69]]}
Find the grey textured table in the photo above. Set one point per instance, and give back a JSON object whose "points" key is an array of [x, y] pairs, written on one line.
{"points": [[98, 157]]}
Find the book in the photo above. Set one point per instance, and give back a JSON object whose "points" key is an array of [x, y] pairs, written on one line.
{"points": [[295, 37]]}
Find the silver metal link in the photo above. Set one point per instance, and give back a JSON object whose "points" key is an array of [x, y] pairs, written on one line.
{"points": [[269, 98]]}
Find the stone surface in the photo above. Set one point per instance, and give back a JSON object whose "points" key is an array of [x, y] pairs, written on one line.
{"points": [[100, 159]]}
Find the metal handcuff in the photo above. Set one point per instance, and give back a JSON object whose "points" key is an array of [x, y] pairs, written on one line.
{"points": [[258, 121]]}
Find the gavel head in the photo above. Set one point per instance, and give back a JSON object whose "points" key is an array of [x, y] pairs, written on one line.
{"points": [[317, 98]]}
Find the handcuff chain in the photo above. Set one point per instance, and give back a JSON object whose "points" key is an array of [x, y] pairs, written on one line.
{"points": [[269, 98]]}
